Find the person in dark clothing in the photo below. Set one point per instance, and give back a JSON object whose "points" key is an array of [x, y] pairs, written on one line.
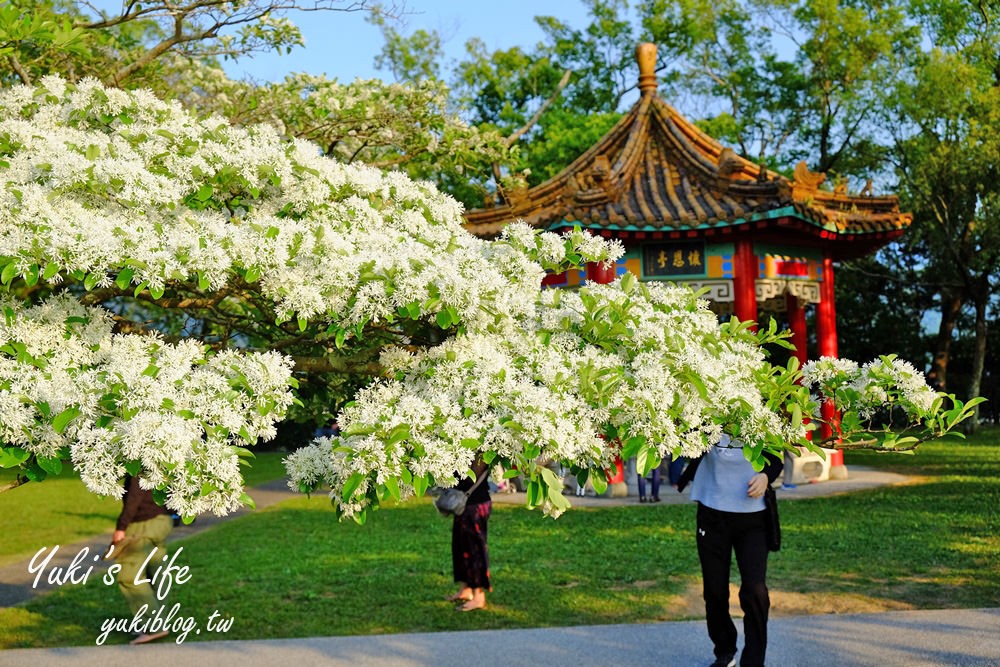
{"points": [[469, 551], [732, 519], [654, 479], [142, 526]]}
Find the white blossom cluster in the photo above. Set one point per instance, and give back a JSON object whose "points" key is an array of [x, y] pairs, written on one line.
{"points": [[550, 385], [878, 384], [119, 190], [102, 181], [174, 410]]}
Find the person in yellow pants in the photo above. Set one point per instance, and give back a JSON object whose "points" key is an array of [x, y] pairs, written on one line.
{"points": [[142, 526]]}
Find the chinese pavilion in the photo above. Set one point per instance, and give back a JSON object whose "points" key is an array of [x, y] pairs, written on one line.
{"points": [[690, 210]]}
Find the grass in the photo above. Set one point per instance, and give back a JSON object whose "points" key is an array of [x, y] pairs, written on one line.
{"points": [[934, 543], [61, 510]]}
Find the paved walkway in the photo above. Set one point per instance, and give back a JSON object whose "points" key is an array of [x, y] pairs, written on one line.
{"points": [[951, 638], [858, 479]]}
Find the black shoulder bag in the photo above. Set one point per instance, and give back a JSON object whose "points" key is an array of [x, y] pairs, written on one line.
{"points": [[451, 502], [771, 518]]}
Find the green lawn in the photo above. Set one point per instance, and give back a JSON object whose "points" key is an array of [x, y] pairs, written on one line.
{"points": [[931, 544], [60, 510]]}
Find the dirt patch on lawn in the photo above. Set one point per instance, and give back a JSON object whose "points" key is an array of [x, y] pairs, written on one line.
{"points": [[691, 604]]}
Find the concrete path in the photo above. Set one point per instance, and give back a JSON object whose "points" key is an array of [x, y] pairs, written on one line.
{"points": [[859, 479], [949, 638]]}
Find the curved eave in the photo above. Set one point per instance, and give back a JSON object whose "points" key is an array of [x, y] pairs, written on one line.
{"points": [[664, 175]]}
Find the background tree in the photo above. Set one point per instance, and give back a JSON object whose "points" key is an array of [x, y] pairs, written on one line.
{"points": [[946, 119], [125, 47], [860, 89]]}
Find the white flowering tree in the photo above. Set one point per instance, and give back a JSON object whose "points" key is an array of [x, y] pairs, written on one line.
{"points": [[125, 220]]}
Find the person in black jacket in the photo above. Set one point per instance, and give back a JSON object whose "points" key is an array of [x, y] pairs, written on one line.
{"points": [[732, 519], [142, 526]]}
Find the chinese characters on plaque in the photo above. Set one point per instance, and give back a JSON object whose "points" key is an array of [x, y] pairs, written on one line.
{"points": [[681, 258]]}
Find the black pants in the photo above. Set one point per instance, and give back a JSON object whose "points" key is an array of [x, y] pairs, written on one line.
{"points": [[719, 535]]}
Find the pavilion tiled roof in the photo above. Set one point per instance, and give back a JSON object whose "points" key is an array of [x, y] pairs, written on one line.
{"points": [[655, 171]]}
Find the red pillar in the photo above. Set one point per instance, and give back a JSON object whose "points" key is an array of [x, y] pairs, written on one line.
{"points": [[826, 313], [745, 281], [598, 272], [826, 332], [797, 325]]}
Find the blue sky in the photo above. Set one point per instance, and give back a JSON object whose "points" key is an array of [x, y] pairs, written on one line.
{"points": [[343, 45]]}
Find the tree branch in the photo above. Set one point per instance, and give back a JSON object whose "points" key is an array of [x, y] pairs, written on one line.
{"points": [[18, 481], [337, 365], [509, 141], [15, 65]]}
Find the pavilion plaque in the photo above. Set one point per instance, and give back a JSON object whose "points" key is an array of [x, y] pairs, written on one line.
{"points": [[681, 258]]}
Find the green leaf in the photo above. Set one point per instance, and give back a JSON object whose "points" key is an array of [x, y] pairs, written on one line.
{"points": [[420, 485], [599, 481], [351, 485], [133, 468], [443, 319], [152, 371], [392, 485], [93, 152], [12, 456], [398, 434], [156, 292], [51, 465], [632, 446], [204, 193], [35, 473], [533, 493], [51, 269], [63, 419], [243, 452], [8, 273], [248, 501], [628, 282], [90, 282], [31, 277]]}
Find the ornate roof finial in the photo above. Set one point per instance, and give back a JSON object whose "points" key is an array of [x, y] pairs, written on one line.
{"points": [[645, 53]]}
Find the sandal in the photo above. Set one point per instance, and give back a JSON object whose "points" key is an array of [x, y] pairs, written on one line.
{"points": [[458, 597]]}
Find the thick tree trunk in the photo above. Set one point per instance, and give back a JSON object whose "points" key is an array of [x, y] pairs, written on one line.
{"points": [[951, 306], [979, 356]]}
